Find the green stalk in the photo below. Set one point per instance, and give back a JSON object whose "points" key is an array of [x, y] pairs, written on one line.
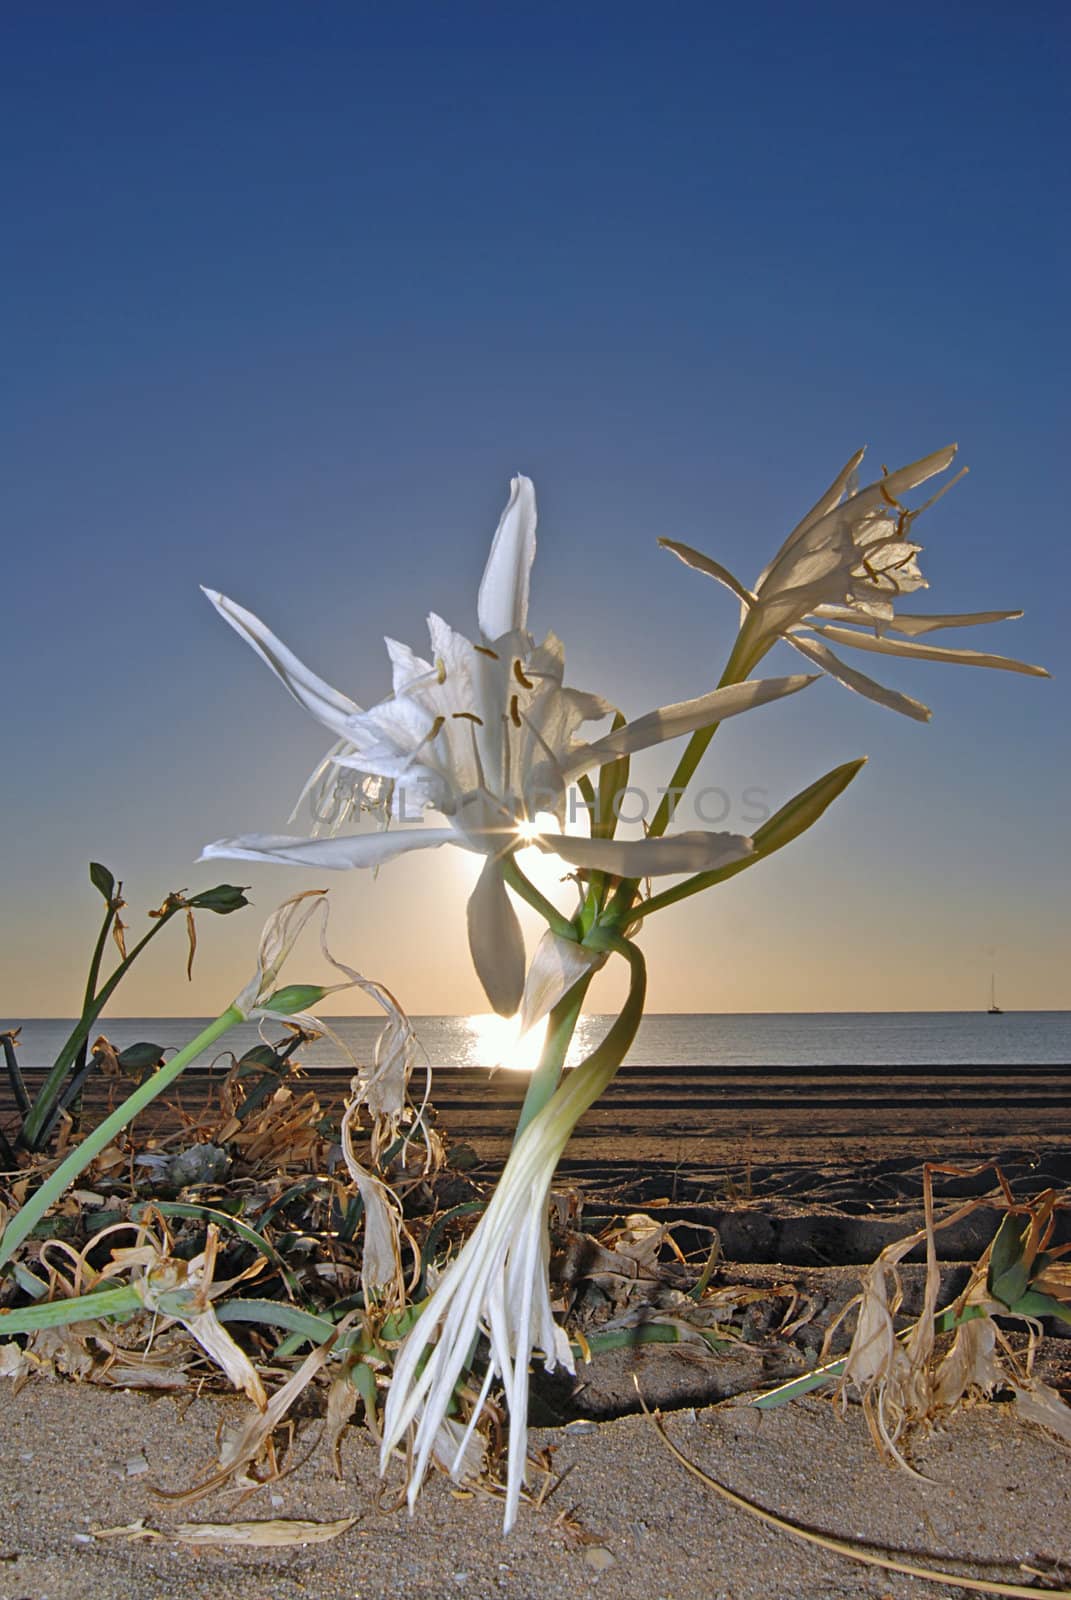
{"points": [[92, 976], [697, 745], [527, 890], [560, 1028], [738, 664], [80, 1157], [582, 1087], [39, 1117]]}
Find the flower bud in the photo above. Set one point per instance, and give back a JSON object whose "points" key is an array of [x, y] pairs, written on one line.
{"points": [[294, 997]]}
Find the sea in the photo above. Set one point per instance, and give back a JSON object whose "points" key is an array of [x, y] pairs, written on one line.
{"points": [[812, 1039]]}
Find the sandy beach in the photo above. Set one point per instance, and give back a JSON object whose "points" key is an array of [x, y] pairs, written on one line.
{"points": [[801, 1200], [624, 1521]]}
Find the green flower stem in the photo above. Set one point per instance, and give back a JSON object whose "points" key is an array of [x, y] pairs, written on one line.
{"points": [[527, 890], [39, 1117], [80, 1157], [695, 749], [546, 1077], [93, 976], [582, 1087], [618, 913]]}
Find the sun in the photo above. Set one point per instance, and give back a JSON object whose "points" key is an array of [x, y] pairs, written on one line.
{"points": [[497, 1042]]}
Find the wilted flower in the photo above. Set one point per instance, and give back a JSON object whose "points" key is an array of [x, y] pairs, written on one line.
{"points": [[848, 562]]}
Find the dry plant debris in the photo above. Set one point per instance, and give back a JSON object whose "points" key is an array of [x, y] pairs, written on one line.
{"points": [[239, 1237]]}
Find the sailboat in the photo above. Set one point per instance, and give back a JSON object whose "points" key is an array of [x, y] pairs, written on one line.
{"points": [[994, 1009]]}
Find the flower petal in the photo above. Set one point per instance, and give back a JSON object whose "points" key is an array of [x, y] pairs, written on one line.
{"points": [[697, 851], [669, 722], [502, 605], [823, 657], [557, 965], [881, 612], [829, 545], [713, 569], [496, 941], [357, 850], [928, 652], [910, 624], [841, 484], [327, 705]]}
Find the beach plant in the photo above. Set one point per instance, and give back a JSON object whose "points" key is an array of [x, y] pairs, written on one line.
{"points": [[64, 1080], [486, 735], [262, 999]]}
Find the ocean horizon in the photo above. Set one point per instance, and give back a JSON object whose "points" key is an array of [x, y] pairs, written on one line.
{"points": [[732, 1039]]}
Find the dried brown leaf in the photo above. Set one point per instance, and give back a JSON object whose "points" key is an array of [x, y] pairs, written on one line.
{"points": [[276, 1532]]}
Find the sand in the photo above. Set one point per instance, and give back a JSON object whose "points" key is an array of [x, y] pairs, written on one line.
{"points": [[626, 1521]]}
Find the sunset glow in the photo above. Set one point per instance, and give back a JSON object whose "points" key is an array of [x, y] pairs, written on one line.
{"points": [[497, 1042]]}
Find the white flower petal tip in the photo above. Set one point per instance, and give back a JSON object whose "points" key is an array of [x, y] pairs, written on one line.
{"points": [[326, 704], [713, 569], [851, 678], [334, 855], [910, 649], [502, 603], [671, 722], [694, 851]]}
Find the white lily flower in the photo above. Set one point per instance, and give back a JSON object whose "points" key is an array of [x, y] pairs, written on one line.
{"points": [[485, 734], [847, 562]]}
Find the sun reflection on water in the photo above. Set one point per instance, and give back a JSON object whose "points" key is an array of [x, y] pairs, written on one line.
{"points": [[495, 1041]]}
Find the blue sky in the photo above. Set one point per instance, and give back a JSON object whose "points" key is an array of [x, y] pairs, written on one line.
{"points": [[291, 291]]}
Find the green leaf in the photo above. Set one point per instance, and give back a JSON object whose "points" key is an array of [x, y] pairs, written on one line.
{"points": [[805, 808], [139, 1057], [223, 899], [102, 880], [261, 1055], [121, 1302], [277, 1314], [794, 818], [1035, 1304], [1008, 1276]]}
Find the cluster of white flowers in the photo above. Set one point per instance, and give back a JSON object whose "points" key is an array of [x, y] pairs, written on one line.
{"points": [[487, 735]]}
